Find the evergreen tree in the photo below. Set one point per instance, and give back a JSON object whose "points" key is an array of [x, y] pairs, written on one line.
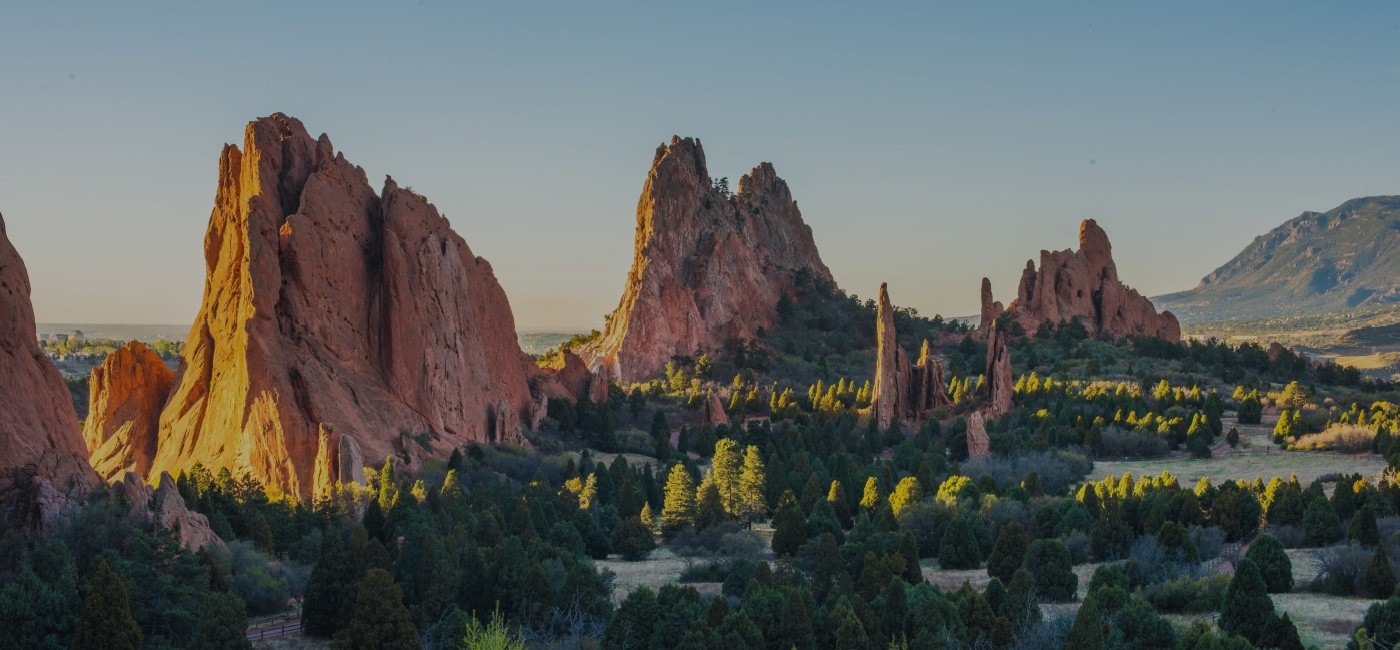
{"points": [[106, 622], [1050, 564], [906, 494], [328, 596], [850, 634], [678, 508], [1021, 607], [1379, 581], [1138, 625], [1008, 551], [725, 469], [790, 531], [1087, 631], [633, 539], [1277, 570], [1321, 525], [1175, 541], [958, 547], [1281, 634], [751, 482], [223, 624], [870, 496], [1363, 529], [1247, 609], [380, 619], [795, 623], [631, 627], [709, 508]]}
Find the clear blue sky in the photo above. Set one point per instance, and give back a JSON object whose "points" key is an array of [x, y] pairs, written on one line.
{"points": [[926, 147]]}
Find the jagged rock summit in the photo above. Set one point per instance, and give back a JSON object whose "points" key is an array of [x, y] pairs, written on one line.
{"points": [[1081, 284], [707, 267], [338, 326], [903, 394], [126, 395], [36, 410]]}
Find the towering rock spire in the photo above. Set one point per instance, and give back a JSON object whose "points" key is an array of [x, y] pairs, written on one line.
{"points": [[901, 393], [1082, 284], [707, 267], [998, 376], [36, 409], [336, 323]]}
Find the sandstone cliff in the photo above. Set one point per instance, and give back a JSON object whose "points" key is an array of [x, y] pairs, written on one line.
{"points": [[338, 326], [127, 393], [36, 409], [1081, 284], [903, 393], [707, 266]]}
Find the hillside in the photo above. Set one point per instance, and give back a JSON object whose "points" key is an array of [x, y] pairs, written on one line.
{"points": [[1342, 259]]}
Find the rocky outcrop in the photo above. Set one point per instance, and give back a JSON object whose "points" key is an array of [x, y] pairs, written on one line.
{"points": [[991, 309], [1081, 284], [1000, 386], [164, 509], [567, 376], [34, 495], [901, 393], [336, 322], [36, 409], [979, 445], [707, 267], [714, 413], [127, 393]]}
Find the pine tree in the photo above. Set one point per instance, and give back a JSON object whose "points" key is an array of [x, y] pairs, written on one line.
{"points": [[678, 505], [1247, 608], [957, 549], [380, 619], [1321, 525], [1379, 581], [906, 494], [633, 539], [724, 471], [870, 497], [1021, 607], [850, 634], [223, 624], [1268, 554], [751, 482], [106, 622], [1008, 552], [1050, 564], [1363, 529], [790, 531], [709, 507], [1087, 631], [795, 623], [328, 600]]}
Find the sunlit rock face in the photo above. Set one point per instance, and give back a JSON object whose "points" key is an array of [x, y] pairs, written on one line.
{"points": [[338, 326], [126, 394], [707, 266], [1081, 284], [36, 409]]}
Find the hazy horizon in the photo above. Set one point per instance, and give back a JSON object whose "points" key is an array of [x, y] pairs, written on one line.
{"points": [[927, 147]]}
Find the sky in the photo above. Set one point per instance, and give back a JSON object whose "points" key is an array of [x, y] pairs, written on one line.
{"points": [[927, 146]]}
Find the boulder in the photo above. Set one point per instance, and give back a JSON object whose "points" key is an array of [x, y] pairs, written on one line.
{"points": [[979, 445], [707, 267], [127, 393], [714, 414]]}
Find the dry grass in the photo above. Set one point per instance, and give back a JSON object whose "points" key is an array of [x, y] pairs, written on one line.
{"points": [[1256, 456], [952, 580], [296, 642], [660, 568], [1322, 620], [1347, 438]]}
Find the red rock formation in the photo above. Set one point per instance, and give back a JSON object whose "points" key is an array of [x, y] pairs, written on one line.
{"points": [[714, 414], [1082, 284], [902, 393], [36, 409], [35, 494], [334, 321], [707, 267], [165, 509], [566, 376], [997, 379], [127, 393], [979, 446], [990, 308]]}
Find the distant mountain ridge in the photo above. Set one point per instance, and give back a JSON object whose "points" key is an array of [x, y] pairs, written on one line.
{"points": [[1344, 258]]}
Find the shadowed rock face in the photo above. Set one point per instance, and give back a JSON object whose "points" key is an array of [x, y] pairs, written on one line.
{"points": [[706, 268], [43, 461], [36, 409], [126, 394], [1081, 284], [338, 326]]}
